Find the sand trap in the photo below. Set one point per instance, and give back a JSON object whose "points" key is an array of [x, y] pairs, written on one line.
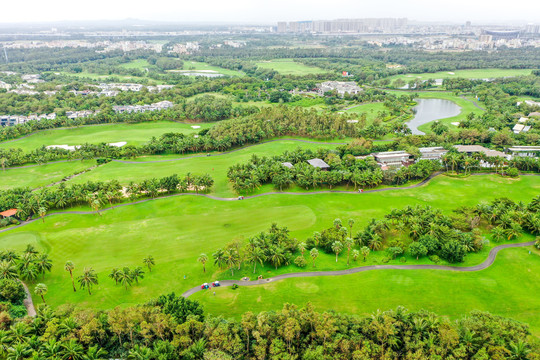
{"points": [[195, 127], [455, 123], [451, 73], [352, 121], [118, 144]]}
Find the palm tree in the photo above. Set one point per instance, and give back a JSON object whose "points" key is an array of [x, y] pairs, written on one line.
{"points": [[375, 242], [513, 231], [231, 259], [277, 256], [7, 270], [203, 259], [69, 267], [351, 223], [219, 258], [29, 273], [314, 253], [302, 248], [348, 244], [519, 350], [95, 206], [337, 246], [255, 255], [125, 278], [42, 211], [137, 274], [355, 254], [337, 223], [365, 252], [41, 290], [149, 262], [72, 350], [19, 351], [43, 264], [115, 275], [88, 279], [140, 353]]}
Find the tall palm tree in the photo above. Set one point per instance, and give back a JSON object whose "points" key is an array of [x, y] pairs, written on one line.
{"points": [[255, 255], [351, 224], [375, 242], [115, 275], [137, 274], [42, 211], [219, 258], [314, 253], [43, 264], [125, 277], [88, 279], [69, 267], [203, 258], [41, 290], [337, 246], [348, 244], [7, 270], [365, 252], [302, 248], [149, 262], [231, 259]]}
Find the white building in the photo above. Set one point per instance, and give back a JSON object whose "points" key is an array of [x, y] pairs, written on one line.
{"points": [[341, 87]]}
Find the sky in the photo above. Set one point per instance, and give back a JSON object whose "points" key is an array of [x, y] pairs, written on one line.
{"points": [[269, 11]]}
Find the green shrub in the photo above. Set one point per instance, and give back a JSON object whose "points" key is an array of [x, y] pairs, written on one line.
{"points": [[435, 259], [385, 259], [300, 261], [12, 291], [235, 286], [17, 311], [403, 259], [512, 172]]}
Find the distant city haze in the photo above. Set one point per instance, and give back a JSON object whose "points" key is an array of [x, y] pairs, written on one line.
{"points": [[270, 11]]}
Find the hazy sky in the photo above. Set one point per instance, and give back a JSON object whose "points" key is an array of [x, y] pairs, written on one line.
{"points": [[269, 11]]}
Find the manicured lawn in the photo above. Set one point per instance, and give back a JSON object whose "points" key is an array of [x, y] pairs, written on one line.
{"points": [[371, 110], [41, 175], [509, 288], [176, 230], [468, 74], [198, 66], [140, 64], [216, 166], [133, 134], [110, 78], [290, 67]]}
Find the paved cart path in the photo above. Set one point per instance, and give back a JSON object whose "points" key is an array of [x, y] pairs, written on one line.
{"points": [[484, 265]]}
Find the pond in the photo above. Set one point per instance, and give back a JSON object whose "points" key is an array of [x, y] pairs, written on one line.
{"points": [[429, 110]]}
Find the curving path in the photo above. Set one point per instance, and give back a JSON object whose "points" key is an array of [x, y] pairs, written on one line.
{"points": [[473, 102], [484, 265], [27, 302], [421, 183]]}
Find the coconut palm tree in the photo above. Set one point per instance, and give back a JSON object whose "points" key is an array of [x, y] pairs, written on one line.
{"points": [[42, 211], [95, 353], [351, 224], [203, 258], [513, 231], [355, 254], [125, 277], [43, 264], [149, 262], [19, 351], [255, 255], [69, 267], [7, 270], [302, 248], [115, 275], [219, 258], [41, 290], [375, 242], [231, 258], [349, 242], [137, 274], [88, 279], [314, 253]]}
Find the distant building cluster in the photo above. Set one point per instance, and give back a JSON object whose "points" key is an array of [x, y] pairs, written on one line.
{"points": [[187, 48], [125, 46], [10, 120], [369, 25], [81, 114], [162, 105], [340, 87]]}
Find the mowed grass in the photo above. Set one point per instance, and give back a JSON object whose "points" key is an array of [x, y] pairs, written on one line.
{"points": [[468, 74], [198, 66], [133, 134], [216, 166], [290, 67], [140, 64], [509, 288], [371, 110], [41, 175], [176, 230]]}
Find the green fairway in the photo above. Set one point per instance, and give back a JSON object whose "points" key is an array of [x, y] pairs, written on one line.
{"points": [[290, 67], [110, 77], [140, 64], [176, 230], [216, 166], [509, 288], [41, 175], [133, 134], [197, 66], [468, 74], [371, 110]]}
